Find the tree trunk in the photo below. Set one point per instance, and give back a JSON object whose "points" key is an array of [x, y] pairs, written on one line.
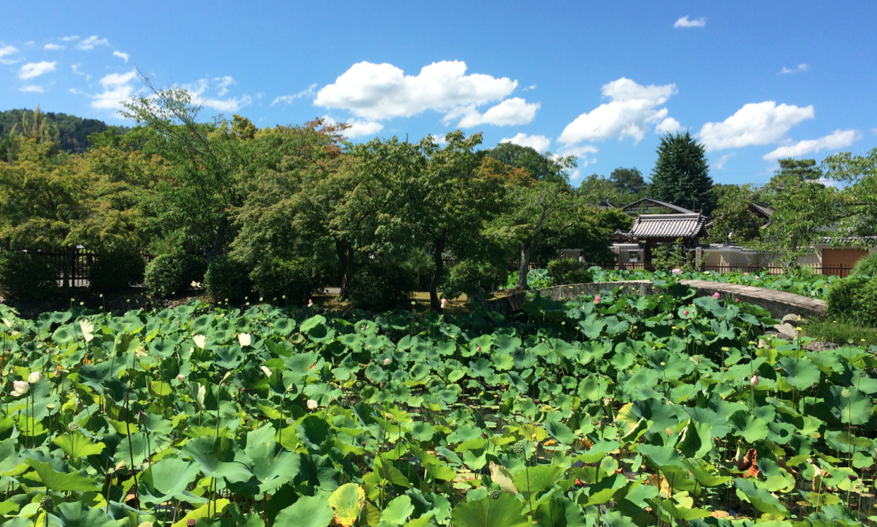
{"points": [[437, 276], [523, 267], [345, 263]]}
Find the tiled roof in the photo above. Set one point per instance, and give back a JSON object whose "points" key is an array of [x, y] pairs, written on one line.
{"points": [[762, 209], [635, 206], [668, 226]]}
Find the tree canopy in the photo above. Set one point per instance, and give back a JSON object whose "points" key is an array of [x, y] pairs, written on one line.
{"points": [[681, 174]]}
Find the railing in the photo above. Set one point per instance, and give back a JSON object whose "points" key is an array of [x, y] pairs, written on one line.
{"points": [[73, 264], [841, 271]]}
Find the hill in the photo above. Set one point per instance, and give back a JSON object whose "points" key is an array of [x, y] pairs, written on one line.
{"points": [[73, 131]]}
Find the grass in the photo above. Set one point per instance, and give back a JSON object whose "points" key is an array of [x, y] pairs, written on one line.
{"points": [[840, 331]]}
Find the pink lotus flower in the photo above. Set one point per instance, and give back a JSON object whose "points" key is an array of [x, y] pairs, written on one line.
{"points": [[716, 295], [444, 303], [745, 274], [757, 278], [19, 388], [310, 303], [596, 299], [737, 300], [312, 404], [676, 271], [754, 380], [478, 348], [386, 361], [34, 377], [685, 312], [181, 377]]}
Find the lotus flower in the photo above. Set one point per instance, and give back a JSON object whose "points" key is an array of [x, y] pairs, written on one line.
{"points": [[266, 370], [716, 295], [19, 388], [200, 340], [685, 312], [444, 302], [745, 274], [181, 377], [310, 303], [757, 278], [676, 271], [245, 339], [596, 299], [312, 404], [386, 361], [34, 377], [754, 380]]}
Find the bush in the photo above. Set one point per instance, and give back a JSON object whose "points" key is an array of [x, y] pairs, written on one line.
{"points": [[380, 287], [421, 267], [867, 266], [295, 278], [115, 270], [471, 277], [227, 279], [169, 274], [26, 277], [569, 271], [854, 299]]}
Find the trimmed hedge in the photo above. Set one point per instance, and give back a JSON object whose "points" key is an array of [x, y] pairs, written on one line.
{"points": [[380, 287], [569, 271], [854, 299], [227, 279], [295, 278], [867, 266], [170, 274], [471, 277], [26, 277]]}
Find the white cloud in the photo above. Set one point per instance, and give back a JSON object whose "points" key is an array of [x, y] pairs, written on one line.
{"points": [[32, 89], [117, 89], [631, 110], [224, 83], [35, 69], [685, 22], [356, 127], [232, 104], [440, 139], [198, 90], [288, 99], [800, 69], [838, 139], [70, 38], [52, 47], [754, 124], [874, 131], [508, 112], [91, 42], [668, 126], [536, 142], [123, 56], [7, 50], [720, 164], [383, 91], [75, 69]]}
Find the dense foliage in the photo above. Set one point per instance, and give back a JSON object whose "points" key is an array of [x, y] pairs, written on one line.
{"points": [[854, 300], [615, 410], [681, 174], [72, 131]]}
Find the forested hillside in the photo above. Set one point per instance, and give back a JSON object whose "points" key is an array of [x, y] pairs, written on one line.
{"points": [[73, 131]]}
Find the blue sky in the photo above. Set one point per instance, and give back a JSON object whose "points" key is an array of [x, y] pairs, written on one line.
{"points": [[753, 81]]}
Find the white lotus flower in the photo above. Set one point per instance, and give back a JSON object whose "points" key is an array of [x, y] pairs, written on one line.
{"points": [[200, 340], [266, 370], [245, 339], [19, 388], [312, 404], [34, 377], [87, 329]]}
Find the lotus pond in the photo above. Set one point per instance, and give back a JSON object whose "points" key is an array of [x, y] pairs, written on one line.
{"points": [[618, 410]]}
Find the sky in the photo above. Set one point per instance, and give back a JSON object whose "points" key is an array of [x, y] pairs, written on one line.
{"points": [[752, 81]]}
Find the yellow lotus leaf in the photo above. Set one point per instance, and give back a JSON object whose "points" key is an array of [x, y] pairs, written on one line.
{"points": [[347, 501]]}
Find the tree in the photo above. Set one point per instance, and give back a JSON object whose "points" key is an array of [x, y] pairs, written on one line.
{"points": [[732, 219], [681, 175], [539, 166], [857, 207], [628, 180]]}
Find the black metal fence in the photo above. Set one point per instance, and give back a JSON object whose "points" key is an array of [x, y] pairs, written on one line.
{"points": [[73, 264]]}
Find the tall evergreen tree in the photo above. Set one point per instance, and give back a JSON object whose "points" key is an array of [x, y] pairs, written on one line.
{"points": [[681, 174]]}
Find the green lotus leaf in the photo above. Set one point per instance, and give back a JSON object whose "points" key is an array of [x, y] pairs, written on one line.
{"points": [[308, 511], [283, 326], [397, 511], [604, 490], [505, 511], [313, 432], [217, 458], [537, 479], [750, 427], [560, 432], [661, 456], [347, 501], [162, 348], [800, 373], [169, 478], [272, 465], [64, 335], [76, 445], [849, 405], [760, 498], [59, 481], [77, 514]]}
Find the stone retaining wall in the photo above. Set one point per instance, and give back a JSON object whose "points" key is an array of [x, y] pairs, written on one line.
{"points": [[779, 303]]}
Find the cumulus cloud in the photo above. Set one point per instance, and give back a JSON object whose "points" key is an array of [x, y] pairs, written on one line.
{"points": [[536, 142], [356, 127], [199, 90], [123, 56], [631, 110], [754, 124], [70, 38], [52, 47], [288, 99], [32, 88], [668, 126], [685, 22], [91, 42], [383, 91], [35, 69], [117, 89], [509, 112], [720, 164], [838, 139], [224, 83], [800, 69], [7, 50], [441, 139]]}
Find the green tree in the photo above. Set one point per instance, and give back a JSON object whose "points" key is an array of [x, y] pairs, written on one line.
{"points": [[539, 166], [628, 180], [857, 207], [732, 219], [681, 175]]}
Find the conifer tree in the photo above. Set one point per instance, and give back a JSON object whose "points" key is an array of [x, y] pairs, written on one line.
{"points": [[681, 174]]}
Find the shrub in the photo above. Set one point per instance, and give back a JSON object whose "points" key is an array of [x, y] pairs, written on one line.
{"points": [[854, 299], [867, 266], [379, 287], [115, 270], [169, 274], [227, 278], [25, 276], [569, 271], [421, 267], [295, 278], [471, 277]]}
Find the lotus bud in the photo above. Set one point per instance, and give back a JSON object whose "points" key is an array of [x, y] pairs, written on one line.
{"points": [[47, 504], [310, 302], [596, 299], [312, 404], [685, 312], [386, 361], [191, 522], [266, 370], [245, 339], [444, 302], [478, 348], [676, 271], [716, 295], [34, 377], [754, 380], [19, 388], [181, 377]]}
